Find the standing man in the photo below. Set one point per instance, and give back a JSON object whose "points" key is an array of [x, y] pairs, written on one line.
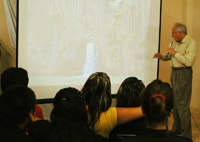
{"points": [[182, 56]]}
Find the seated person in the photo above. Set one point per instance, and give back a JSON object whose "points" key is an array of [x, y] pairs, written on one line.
{"points": [[157, 104], [102, 117], [129, 95], [16, 102], [14, 76], [69, 121]]}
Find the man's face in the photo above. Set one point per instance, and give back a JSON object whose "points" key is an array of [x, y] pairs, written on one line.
{"points": [[176, 34]]}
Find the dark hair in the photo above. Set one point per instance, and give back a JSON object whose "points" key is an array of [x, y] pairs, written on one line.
{"points": [[14, 76], [63, 130], [97, 94], [69, 117], [68, 104], [129, 93], [155, 107], [16, 102]]}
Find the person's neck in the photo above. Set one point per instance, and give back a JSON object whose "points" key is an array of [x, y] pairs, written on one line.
{"points": [[23, 125], [183, 36], [157, 126]]}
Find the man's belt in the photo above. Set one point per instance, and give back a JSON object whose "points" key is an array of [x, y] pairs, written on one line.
{"points": [[175, 69]]}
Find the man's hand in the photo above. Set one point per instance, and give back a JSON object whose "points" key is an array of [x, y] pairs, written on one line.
{"points": [[157, 55], [171, 51]]}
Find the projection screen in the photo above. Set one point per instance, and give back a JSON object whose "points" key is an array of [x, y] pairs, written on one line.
{"points": [[62, 42]]}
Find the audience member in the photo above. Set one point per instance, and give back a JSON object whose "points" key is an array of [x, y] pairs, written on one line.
{"points": [[16, 102], [69, 121], [129, 95], [18, 76], [157, 105], [102, 117]]}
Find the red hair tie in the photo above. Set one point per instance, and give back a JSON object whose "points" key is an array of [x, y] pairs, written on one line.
{"points": [[156, 95]]}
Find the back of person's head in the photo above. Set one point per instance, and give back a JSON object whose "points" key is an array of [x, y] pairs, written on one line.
{"points": [[129, 93], [157, 102], [16, 102], [97, 95], [14, 76], [68, 104], [69, 118]]}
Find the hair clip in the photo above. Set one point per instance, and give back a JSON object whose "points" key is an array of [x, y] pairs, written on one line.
{"points": [[156, 95], [63, 99]]}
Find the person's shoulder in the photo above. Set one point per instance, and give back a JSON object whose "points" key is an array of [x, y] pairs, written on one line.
{"points": [[99, 138], [38, 107], [133, 139], [17, 138], [111, 110], [144, 139], [184, 139], [189, 39], [176, 138], [39, 125], [39, 112], [27, 139]]}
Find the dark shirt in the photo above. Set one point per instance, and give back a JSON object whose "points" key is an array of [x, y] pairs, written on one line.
{"points": [[134, 127], [152, 135], [63, 130], [10, 132]]}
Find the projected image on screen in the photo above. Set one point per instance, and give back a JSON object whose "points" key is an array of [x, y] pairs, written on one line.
{"points": [[62, 42]]}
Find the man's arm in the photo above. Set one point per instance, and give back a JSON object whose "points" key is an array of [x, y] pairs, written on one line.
{"points": [[188, 58], [163, 57]]}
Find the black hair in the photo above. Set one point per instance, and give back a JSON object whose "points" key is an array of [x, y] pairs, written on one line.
{"points": [[14, 76], [16, 102], [69, 117], [157, 102], [97, 95], [129, 93], [68, 104]]}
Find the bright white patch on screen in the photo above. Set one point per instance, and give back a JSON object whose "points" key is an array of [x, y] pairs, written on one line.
{"points": [[89, 66]]}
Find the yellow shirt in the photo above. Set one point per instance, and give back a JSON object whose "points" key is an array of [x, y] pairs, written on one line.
{"points": [[108, 120]]}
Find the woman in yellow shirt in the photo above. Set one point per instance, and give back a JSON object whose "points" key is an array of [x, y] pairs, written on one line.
{"points": [[102, 117]]}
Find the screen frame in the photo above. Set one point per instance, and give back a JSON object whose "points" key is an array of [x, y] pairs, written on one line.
{"points": [[45, 100]]}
